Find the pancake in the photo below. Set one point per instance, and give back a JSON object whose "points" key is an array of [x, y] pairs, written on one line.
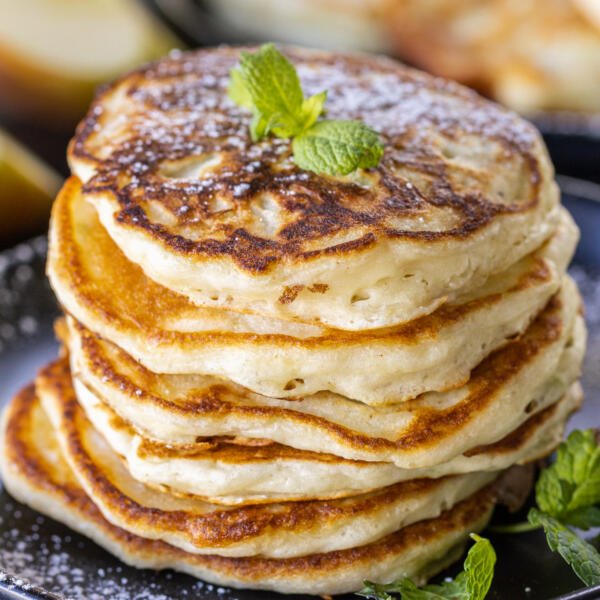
{"points": [[35, 472], [514, 382], [166, 333], [465, 189], [531, 56], [278, 530], [244, 471]]}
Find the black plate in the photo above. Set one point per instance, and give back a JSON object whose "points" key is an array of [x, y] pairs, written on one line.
{"points": [[573, 141], [40, 558]]}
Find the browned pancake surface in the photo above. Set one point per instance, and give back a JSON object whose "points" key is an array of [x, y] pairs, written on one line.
{"points": [[50, 485], [176, 111]]}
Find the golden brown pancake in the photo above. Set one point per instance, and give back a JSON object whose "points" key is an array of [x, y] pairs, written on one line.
{"points": [[35, 472], [530, 373], [464, 190], [278, 530], [235, 471], [167, 333]]}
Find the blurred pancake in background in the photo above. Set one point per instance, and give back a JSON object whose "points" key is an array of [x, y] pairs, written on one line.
{"points": [[329, 24], [531, 55]]}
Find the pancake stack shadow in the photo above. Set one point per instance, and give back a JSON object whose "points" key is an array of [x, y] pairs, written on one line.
{"points": [[280, 380]]}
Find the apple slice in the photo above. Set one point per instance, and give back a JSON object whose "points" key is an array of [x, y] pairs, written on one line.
{"points": [[27, 189], [53, 53]]}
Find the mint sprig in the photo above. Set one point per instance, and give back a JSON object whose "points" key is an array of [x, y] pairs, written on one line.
{"points": [[267, 84], [569, 489], [348, 145], [473, 583], [582, 557], [568, 494]]}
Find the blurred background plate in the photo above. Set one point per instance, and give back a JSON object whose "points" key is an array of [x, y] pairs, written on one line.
{"points": [[582, 198], [574, 143]]}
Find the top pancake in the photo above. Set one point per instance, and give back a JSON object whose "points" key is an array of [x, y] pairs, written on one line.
{"points": [[464, 189]]}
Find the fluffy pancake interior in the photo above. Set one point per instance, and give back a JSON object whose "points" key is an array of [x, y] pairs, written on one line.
{"points": [[530, 373], [165, 332], [277, 530], [226, 471]]}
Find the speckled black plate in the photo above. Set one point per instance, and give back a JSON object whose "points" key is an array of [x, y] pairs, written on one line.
{"points": [[40, 558]]}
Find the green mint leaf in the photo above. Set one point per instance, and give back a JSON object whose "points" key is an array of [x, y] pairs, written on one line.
{"points": [[311, 109], [267, 83], [259, 127], [237, 91], [583, 558], [479, 568], [448, 590], [377, 591], [472, 584], [583, 518], [272, 83], [572, 482], [407, 591], [337, 147]]}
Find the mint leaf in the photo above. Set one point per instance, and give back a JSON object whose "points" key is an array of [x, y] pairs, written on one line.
{"points": [[472, 584], [259, 127], [266, 83], [312, 108], [584, 518], [237, 91], [449, 589], [272, 83], [572, 483], [583, 558], [405, 587], [410, 591], [378, 591], [479, 568], [337, 147]]}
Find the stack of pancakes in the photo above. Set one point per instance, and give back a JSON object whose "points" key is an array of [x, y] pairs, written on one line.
{"points": [[282, 380]]}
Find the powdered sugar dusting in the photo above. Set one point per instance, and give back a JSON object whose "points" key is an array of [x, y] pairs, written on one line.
{"points": [[36, 552], [466, 159]]}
